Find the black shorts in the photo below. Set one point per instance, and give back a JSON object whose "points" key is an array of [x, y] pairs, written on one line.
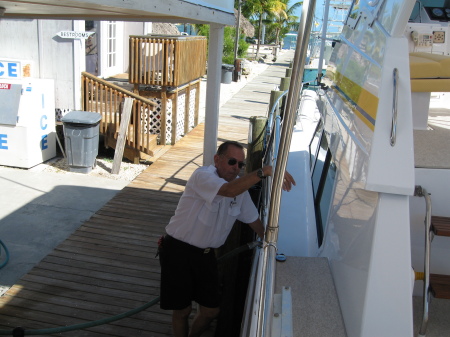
{"points": [[188, 274]]}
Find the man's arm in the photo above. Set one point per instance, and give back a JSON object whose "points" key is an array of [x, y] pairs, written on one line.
{"points": [[238, 186], [258, 227]]}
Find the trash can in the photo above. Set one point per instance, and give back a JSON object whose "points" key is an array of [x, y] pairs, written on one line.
{"points": [[227, 73], [81, 138]]}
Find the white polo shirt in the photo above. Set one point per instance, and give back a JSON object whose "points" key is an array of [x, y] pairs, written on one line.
{"points": [[203, 218]]}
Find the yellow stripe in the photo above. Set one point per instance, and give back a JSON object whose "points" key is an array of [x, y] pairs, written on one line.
{"points": [[365, 100]]}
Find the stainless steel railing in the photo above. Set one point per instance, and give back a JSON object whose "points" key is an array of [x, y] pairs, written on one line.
{"points": [[421, 192], [265, 275], [393, 138]]}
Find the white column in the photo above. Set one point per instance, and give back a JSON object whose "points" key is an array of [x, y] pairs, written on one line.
{"points": [[213, 92], [79, 63]]}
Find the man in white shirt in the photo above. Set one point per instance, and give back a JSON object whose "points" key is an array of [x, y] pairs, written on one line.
{"points": [[214, 198]]}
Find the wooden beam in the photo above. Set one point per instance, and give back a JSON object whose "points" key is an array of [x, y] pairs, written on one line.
{"points": [[118, 153]]}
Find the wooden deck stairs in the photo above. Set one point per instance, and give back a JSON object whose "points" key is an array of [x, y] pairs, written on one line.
{"points": [[166, 93], [440, 284]]}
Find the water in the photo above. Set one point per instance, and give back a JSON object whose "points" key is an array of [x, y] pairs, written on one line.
{"points": [[310, 75]]}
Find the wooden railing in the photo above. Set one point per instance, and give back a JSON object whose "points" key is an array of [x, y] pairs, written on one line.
{"points": [[167, 60], [107, 99], [159, 116]]}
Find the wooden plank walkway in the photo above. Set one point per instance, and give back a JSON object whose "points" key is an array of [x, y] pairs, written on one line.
{"points": [[108, 265]]}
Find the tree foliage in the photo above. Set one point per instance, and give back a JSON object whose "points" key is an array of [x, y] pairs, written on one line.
{"points": [[282, 22], [228, 42], [276, 15]]}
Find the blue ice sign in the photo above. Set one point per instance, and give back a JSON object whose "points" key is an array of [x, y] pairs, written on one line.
{"points": [[44, 140], [3, 142], [10, 69]]}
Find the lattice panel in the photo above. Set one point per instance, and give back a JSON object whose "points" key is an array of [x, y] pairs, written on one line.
{"points": [[169, 121], [60, 113], [180, 114], [152, 123], [192, 98]]}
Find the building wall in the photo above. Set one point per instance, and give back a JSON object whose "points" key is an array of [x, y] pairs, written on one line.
{"points": [[130, 28], [35, 43]]}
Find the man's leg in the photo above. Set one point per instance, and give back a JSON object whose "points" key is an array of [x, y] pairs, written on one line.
{"points": [[202, 320], [180, 324]]}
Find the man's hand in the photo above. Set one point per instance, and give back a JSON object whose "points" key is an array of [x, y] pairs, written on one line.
{"points": [[288, 180]]}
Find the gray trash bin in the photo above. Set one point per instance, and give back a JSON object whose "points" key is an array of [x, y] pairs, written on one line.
{"points": [[227, 73], [81, 138]]}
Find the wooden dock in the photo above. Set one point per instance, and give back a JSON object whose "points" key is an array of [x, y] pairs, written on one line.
{"points": [[108, 266]]}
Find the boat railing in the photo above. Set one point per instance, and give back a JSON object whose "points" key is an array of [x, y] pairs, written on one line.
{"points": [[259, 311], [421, 192]]}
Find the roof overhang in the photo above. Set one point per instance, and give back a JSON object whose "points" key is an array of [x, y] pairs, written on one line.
{"points": [[175, 11]]}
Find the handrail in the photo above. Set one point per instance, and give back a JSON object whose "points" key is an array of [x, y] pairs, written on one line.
{"points": [[270, 121], [272, 111], [394, 108], [116, 87], [271, 234], [421, 192]]}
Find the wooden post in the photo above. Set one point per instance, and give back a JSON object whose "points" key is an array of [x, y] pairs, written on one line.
{"points": [[288, 72], [274, 96], [284, 83], [118, 153], [256, 142], [186, 108], [197, 102]]}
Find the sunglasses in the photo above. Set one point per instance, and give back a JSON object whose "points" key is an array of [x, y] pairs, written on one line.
{"points": [[233, 162]]}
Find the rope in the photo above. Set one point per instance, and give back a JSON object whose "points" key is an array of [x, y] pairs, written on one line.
{"points": [[20, 332]]}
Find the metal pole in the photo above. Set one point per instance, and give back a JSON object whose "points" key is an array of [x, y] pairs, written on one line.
{"points": [[271, 235], [238, 27], [324, 36]]}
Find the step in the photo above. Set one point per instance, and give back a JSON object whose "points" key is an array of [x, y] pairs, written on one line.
{"points": [[312, 291], [440, 286], [440, 225], [282, 314]]}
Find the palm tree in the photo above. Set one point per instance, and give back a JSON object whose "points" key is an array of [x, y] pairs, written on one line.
{"points": [[258, 8], [285, 21]]}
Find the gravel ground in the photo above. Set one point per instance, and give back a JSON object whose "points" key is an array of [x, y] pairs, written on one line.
{"points": [[128, 171]]}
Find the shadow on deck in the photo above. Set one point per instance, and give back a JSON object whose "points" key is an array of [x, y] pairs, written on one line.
{"points": [[108, 265]]}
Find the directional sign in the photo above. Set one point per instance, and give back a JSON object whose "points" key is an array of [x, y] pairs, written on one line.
{"points": [[74, 35]]}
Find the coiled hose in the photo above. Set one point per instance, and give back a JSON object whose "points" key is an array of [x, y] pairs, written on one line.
{"points": [[6, 253]]}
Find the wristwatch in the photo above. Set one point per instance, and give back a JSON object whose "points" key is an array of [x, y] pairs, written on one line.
{"points": [[260, 174]]}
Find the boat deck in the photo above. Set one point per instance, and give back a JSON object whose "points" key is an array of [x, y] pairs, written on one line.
{"points": [[428, 149], [108, 266]]}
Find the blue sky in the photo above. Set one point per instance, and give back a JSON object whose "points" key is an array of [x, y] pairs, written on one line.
{"points": [[318, 12]]}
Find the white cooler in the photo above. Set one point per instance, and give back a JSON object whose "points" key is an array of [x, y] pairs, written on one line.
{"points": [[27, 122]]}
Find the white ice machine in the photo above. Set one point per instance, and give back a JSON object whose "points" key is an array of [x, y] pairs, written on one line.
{"points": [[27, 122]]}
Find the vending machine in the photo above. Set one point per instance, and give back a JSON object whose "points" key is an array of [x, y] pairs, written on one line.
{"points": [[27, 122]]}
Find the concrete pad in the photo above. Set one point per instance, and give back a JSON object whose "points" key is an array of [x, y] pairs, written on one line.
{"points": [[39, 210]]}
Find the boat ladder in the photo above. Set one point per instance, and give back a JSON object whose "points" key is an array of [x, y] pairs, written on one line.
{"points": [[433, 284]]}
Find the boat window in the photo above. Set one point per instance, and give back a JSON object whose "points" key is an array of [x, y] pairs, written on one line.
{"points": [[319, 164], [323, 178], [314, 145]]}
